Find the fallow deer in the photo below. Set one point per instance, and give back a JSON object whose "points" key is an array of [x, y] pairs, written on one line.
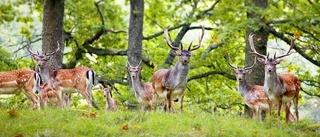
{"points": [[278, 87], [253, 95], [15, 81], [169, 83], [111, 104], [47, 94], [142, 91], [79, 79]]}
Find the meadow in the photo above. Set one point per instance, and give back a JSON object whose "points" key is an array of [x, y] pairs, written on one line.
{"points": [[76, 122]]}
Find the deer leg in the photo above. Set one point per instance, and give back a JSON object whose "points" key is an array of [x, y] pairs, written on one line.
{"points": [[287, 112], [255, 110], [295, 104], [149, 106], [169, 102], [86, 96], [279, 108], [270, 110], [59, 96], [181, 101]]}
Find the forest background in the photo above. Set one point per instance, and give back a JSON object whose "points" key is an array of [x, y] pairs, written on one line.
{"points": [[96, 34]]}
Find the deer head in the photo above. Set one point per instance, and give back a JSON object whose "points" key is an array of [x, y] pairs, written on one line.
{"points": [[134, 71], [269, 62], [184, 55], [106, 91], [41, 59], [241, 72]]}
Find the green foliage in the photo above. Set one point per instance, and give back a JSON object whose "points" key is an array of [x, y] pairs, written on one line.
{"points": [[6, 62], [56, 122], [7, 13]]}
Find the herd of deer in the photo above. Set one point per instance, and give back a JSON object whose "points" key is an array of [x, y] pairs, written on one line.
{"points": [[278, 89]]}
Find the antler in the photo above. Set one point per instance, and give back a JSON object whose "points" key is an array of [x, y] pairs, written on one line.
{"points": [[54, 51], [229, 62], [200, 41], [30, 51], [136, 66], [288, 53], [166, 35], [254, 63], [253, 49]]}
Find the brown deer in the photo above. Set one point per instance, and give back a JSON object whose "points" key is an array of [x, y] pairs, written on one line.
{"points": [[15, 81], [253, 95], [79, 79], [111, 104], [169, 83], [47, 94], [143, 91], [278, 87]]}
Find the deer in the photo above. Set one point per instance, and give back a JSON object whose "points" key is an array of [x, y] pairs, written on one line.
{"points": [[281, 88], [80, 79], [25, 80], [143, 91], [253, 95], [47, 94], [111, 104], [170, 83]]}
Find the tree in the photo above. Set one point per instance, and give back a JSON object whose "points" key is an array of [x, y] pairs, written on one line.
{"points": [[135, 33], [256, 77], [52, 31]]}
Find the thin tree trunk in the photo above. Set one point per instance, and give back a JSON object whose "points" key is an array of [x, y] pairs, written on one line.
{"points": [[256, 77]]}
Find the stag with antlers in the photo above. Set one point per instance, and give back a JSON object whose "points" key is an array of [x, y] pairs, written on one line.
{"points": [[142, 91], [169, 83], [278, 87], [63, 81], [253, 95]]}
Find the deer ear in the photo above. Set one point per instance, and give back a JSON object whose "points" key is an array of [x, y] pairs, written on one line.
{"points": [[178, 53], [101, 87], [261, 60], [278, 61]]}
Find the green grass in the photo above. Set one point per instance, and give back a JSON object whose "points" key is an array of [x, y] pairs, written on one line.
{"points": [[56, 122]]}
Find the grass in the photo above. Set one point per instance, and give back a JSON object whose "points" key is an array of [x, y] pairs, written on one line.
{"points": [[56, 122]]}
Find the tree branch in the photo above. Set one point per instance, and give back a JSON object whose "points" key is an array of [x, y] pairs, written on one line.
{"points": [[278, 21], [210, 48], [212, 73], [295, 47], [308, 93]]}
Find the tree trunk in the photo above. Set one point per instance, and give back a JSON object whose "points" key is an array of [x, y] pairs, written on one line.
{"points": [[52, 30], [260, 39], [135, 33]]}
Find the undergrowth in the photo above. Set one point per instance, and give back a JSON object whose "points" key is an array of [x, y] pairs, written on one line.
{"points": [[56, 122]]}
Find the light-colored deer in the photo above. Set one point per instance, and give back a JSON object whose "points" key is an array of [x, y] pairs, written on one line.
{"points": [[169, 83], [142, 91], [253, 95], [111, 104], [279, 87], [79, 79], [15, 81]]}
